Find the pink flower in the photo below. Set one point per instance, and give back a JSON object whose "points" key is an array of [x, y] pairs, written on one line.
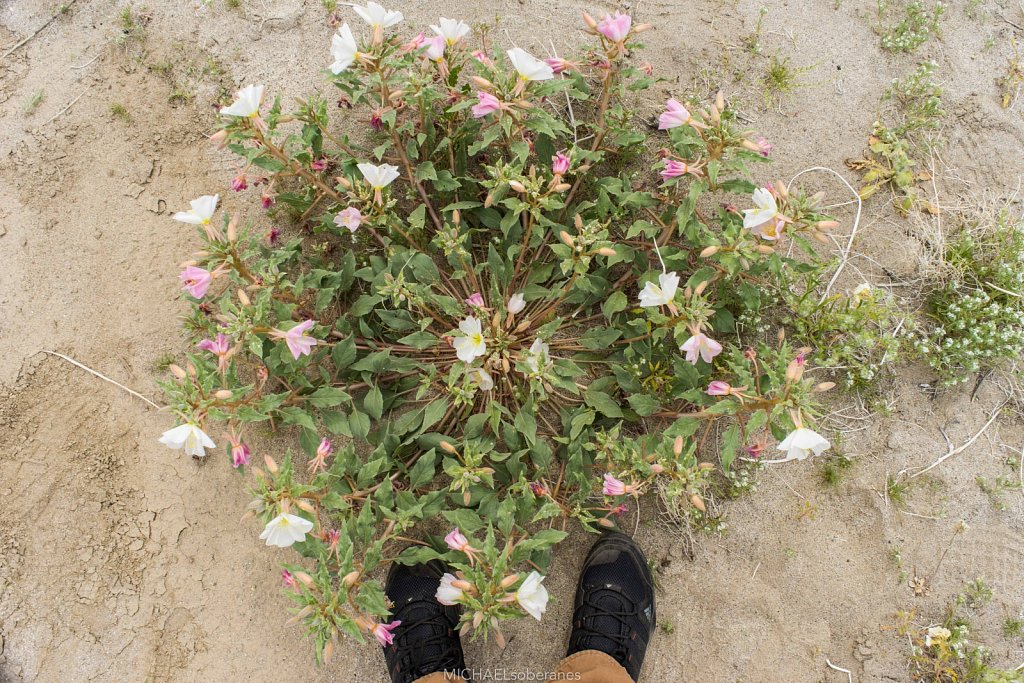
{"points": [[435, 47], [719, 388], [238, 183], [674, 169], [298, 343], [384, 634], [325, 448], [376, 122], [416, 43], [615, 28], [349, 218], [476, 300], [319, 164], [558, 65], [488, 104], [764, 146], [615, 487], [240, 453], [220, 347], [274, 236], [287, 579], [267, 199], [456, 540], [481, 56], [676, 115], [560, 164], [538, 489], [700, 345], [620, 509], [197, 281]]}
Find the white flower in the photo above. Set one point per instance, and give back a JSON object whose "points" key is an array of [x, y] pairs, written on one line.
{"points": [[379, 177], [765, 209], [344, 49], [286, 529], [801, 442], [937, 634], [662, 293], [516, 303], [483, 379], [190, 437], [447, 594], [860, 294], [247, 102], [376, 16], [529, 67], [538, 356], [532, 596], [451, 30], [471, 345], [201, 211]]}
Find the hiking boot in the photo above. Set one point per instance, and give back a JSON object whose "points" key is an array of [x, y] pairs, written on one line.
{"points": [[614, 609], [427, 640]]}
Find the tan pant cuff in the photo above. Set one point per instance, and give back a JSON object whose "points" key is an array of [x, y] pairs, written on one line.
{"points": [[593, 667]]}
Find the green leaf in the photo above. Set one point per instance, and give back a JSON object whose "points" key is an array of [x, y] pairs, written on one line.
{"points": [[292, 415], [373, 403], [643, 404], [327, 397], [423, 470], [614, 303], [419, 340], [426, 171], [730, 446], [603, 403], [360, 424]]}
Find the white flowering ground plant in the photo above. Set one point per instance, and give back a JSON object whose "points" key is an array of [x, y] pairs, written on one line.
{"points": [[474, 324]]}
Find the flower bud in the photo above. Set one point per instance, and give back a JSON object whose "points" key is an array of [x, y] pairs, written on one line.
{"points": [[509, 580], [606, 523], [826, 225], [350, 579], [462, 584], [223, 394], [709, 251], [824, 386], [780, 189], [271, 464], [489, 200], [764, 249], [243, 297], [233, 228], [517, 186], [701, 287], [720, 100], [562, 187], [590, 22], [640, 28], [482, 83], [706, 466], [677, 446], [578, 221], [698, 502], [306, 505], [566, 238], [606, 251], [343, 182], [328, 651], [657, 468], [456, 217], [191, 369], [176, 371], [447, 447], [819, 236], [220, 139]]}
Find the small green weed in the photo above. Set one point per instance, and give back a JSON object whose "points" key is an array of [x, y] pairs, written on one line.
{"points": [[32, 102], [919, 22]]}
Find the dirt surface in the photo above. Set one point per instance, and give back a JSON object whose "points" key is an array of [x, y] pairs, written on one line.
{"points": [[123, 561]]}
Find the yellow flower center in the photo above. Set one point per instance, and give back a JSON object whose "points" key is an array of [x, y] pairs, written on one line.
{"points": [[478, 339]]}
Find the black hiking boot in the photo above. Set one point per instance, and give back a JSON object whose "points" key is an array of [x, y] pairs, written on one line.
{"points": [[427, 640], [614, 609]]}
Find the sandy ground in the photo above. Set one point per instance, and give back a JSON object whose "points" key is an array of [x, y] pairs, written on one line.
{"points": [[122, 561]]}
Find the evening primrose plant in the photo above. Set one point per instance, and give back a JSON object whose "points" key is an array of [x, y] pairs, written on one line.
{"points": [[473, 327]]}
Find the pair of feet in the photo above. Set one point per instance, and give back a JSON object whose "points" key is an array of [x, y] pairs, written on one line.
{"points": [[613, 613]]}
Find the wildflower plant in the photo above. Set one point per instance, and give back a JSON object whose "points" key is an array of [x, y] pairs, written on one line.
{"points": [[475, 328], [977, 311]]}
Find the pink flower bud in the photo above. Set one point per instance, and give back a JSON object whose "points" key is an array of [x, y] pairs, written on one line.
{"points": [[287, 579], [719, 388], [558, 65], [560, 164], [487, 104], [238, 183], [476, 300]]}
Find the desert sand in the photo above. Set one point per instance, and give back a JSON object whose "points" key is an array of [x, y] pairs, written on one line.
{"points": [[123, 561]]}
